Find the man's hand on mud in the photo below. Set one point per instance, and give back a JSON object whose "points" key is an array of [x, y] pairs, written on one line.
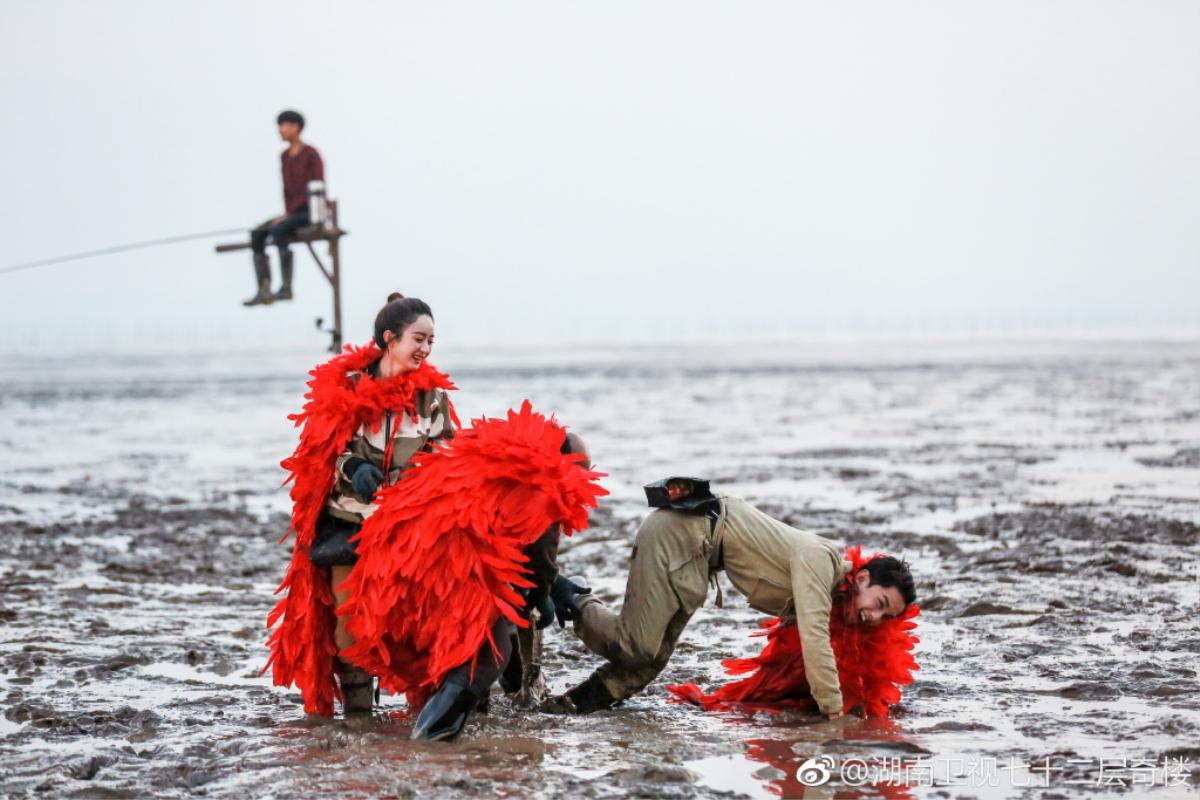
{"points": [[834, 715]]}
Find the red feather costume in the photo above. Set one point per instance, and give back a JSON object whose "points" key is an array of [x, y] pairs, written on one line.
{"points": [[439, 560], [302, 646], [873, 662]]}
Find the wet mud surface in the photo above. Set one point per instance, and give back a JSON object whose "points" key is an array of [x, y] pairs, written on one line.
{"points": [[1047, 495]]}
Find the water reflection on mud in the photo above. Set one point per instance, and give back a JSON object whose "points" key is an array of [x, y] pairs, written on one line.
{"points": [[847, 759]]}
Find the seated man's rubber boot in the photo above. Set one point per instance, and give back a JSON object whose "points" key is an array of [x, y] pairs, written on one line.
{"points": [[285, 276], [358, 689], [446, 713], [591, 695], [262, 271]]}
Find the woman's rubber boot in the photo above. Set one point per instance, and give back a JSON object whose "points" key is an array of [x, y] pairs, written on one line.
{"points": [[358, 689], [285, 276], [262, 271], [446, 713]]}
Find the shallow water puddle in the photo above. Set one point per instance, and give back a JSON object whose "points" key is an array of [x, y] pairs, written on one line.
{"points": [[732, 774], [772, 769]]}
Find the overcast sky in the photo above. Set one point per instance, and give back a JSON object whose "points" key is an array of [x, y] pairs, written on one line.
{"points": [[635, 170]]}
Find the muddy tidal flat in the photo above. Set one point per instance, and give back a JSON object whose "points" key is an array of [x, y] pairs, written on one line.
{"points": [[1047, 494]]}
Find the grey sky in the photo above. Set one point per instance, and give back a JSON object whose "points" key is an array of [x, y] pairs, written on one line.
{"points": [[685, 168]]}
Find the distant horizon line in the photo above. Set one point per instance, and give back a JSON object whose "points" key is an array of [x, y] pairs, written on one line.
{"points": [[316, 343]]}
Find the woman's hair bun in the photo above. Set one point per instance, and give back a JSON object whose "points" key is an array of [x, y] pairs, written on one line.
{"points": [[395, 296]]}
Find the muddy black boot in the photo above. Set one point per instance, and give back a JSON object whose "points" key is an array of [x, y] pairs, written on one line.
{"points": [[285, 276], [262, 271], [510, 679], [358, 689], [446, 713], [591, 695]]}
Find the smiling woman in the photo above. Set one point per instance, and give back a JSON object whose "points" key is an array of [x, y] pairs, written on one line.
{"points": [[404, 332], [370, 410]]}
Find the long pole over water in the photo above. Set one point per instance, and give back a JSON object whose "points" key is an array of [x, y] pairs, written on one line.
{"points": [[121, 248]]}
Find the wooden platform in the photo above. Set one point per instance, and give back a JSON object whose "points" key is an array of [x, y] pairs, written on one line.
{"points": [[313, 233], [333, 273]]}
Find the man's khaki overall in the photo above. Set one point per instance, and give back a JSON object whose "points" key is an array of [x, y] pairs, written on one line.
{"points": [[783, 571]]}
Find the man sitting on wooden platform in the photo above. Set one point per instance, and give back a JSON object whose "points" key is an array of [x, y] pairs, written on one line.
{"points": [[301, 163]]}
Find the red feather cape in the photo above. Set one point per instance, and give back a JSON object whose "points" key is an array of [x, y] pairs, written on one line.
{"points": [[439, 560], [873, 662], [302, 648]]}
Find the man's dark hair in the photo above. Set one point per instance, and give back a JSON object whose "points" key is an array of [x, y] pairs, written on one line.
{"points": [[887, 571], [290, 116], [397, 314]]}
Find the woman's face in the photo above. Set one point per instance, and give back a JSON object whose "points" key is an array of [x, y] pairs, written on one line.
{"points": [[408, 350]]}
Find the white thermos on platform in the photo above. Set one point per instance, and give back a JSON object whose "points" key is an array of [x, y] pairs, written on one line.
{"points": [[318, 212]]}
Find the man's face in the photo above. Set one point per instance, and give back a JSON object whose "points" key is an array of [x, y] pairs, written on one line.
{"points": [[288, 131], [871, 605]]}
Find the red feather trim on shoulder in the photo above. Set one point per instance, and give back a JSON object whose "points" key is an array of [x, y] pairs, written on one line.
{"points": [[873, 662], [442, 557], [302, 648]]}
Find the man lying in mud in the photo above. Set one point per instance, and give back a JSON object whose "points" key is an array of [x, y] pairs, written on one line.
{"points": [[679, 548]]}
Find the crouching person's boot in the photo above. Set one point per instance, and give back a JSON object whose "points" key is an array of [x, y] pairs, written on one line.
{"points": [[591, 695], [358, 689], [446, 713], [262, 272], [285, 276]]}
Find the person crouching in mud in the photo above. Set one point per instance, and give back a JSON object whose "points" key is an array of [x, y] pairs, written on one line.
{"points": [[783, 571], [369, 410], [465, 689]]}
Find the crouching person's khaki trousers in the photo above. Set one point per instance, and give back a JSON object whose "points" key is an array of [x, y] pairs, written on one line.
{"points": [[668, 581]]}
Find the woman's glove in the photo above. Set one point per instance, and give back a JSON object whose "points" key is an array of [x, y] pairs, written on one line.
{"points": [[366, 480]]}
